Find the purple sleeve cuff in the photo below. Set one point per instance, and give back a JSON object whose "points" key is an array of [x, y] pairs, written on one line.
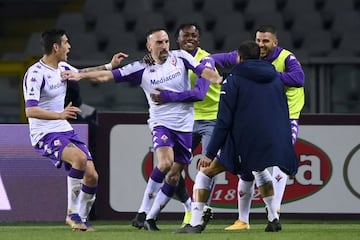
{"points": [[199, 69], [117, 75], [31, 103]]}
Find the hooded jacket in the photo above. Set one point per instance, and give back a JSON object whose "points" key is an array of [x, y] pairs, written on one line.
{"points": [[252, 129]]}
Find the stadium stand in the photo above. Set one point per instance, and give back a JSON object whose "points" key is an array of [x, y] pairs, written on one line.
{"points": [[98, 29], [72, 22]]}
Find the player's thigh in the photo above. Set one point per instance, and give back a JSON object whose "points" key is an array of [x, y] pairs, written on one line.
{"points": [[74, 155]]}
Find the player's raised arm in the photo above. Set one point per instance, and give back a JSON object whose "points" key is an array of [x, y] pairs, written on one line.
{"points": [[96, 76]]}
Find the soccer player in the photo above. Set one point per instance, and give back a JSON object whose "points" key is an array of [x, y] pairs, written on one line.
{"points": [[51, 134], [171, 124], [292, 75], [252, 131], [206, 101]]}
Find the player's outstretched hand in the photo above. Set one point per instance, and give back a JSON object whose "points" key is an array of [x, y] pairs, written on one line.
{"points": [[70, 112], [118, 58], [70, 75], [148, 59], [156, 97], [204, 162]]}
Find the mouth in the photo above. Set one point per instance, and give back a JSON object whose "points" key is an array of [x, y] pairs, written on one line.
{"points": [[189, 45]]}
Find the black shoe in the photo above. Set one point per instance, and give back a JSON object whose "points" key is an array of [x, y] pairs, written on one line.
{"points": [[273, 226], [150, 225], [207, 215], [139, 220], [190, 229]]}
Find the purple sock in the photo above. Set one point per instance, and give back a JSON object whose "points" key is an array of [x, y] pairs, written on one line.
{"points": [[157, 175], [75, 173], [168, 190], [89, 190]]}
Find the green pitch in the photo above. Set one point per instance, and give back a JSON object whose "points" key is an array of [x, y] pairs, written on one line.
{"points": [[118, 230]]}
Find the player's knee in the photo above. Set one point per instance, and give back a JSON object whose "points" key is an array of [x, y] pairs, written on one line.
{"points": [[164, 165], [79, 160]]}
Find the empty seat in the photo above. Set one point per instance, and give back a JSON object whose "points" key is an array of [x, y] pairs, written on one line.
{"points": [[215, 7], [334, 6], [71, 22], [184, 6], [92, 9], [318, 44], [143, 25], [33, 47], [295, 9], [173, 10], [227, 25], [212, 9], [233, 42], [240, 5], [84, 47], [255, 7], [306, 24], [121, 42], [108, 24], [152, 20], [348, 43], [267, 18], [345, 21], [13, 56], [197, 18], [285, 40], [134, 10], [207, 42]]}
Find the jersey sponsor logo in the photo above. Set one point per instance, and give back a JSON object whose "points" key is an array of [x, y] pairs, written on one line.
{"points": [[165, 79], [314, 173], [56, 86]]}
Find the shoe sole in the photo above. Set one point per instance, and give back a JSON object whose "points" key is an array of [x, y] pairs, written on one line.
{"points": [[234, 229], [75, 226]]}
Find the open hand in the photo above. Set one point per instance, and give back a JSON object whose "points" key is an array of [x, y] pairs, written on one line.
{"points": [[70, 75], [118, 58], [70, 112]]}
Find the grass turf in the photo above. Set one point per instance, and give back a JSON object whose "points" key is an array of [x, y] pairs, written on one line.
{"points": [[111, 230]]}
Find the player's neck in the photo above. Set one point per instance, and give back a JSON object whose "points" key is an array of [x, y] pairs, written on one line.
{"points": [[50, 61]]}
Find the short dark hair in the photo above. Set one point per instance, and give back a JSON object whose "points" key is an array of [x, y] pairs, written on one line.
{"points": [[267, 28], [249, 50], [184, 25], [49, 37]]}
